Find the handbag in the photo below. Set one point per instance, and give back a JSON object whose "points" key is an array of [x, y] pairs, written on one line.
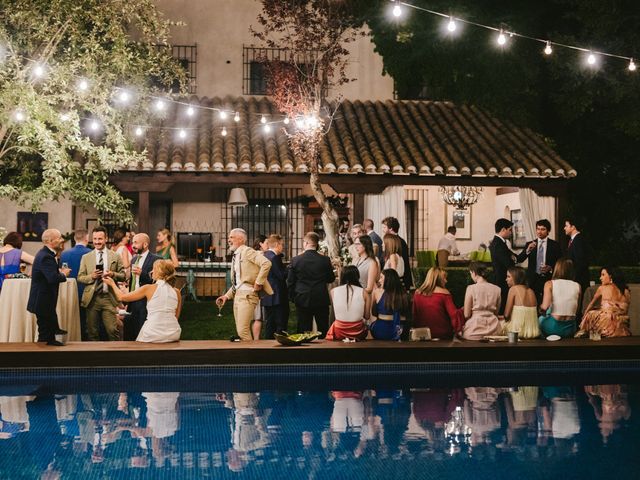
{"points": [[420, 334]]}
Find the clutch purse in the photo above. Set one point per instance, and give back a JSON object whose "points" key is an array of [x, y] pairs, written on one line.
{"points": [[420, 334]]}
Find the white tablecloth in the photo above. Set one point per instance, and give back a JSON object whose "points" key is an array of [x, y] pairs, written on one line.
{"points": [[18, 325]]}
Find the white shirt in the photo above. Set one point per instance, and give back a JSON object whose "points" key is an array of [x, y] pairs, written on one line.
{"points": [[141, 259], [448, 242]]}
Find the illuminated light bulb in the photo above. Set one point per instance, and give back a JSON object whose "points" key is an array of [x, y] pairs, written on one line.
{"points": [[191, 111], [236, 117], [182, 134], [38, 71], [83, 85], [223, 115], [267, 128], [548, 50], [286, 120], [502, 39], [160, 105], [124, 96], [139, 131], [263, 120], [19, 116], [632, 66], [224, 131], [397, 10], [94, 125], [451, 26]]}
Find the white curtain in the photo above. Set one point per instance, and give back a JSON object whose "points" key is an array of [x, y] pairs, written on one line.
{"points": [[390, 203], [535, 208]]}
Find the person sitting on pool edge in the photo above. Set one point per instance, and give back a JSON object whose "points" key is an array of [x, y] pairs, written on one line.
{"points": [[560, 301]]}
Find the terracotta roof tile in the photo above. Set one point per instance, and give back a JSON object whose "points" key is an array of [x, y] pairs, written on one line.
{"points": [[398, 137]]}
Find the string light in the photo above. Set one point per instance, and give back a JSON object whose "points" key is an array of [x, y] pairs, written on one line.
{"points": [[267, 128], [139, 131], [19, 115], [502, 39], [94, 126], [83, 85], [263, 120], [124, 96], [236, 117], [191, 111], [224, 131], [632, 66], [591, 59], [451, 25], [286, 120], [397, 10], [548, 50], [223, 115], [39, 71], [182, 133], [160, 105]]}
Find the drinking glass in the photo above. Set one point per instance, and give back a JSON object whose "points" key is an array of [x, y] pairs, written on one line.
{"points": [[23, 267]]}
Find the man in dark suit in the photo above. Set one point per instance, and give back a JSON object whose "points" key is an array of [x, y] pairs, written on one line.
{"points": [[309, 274], [141, 266], [46, 278], [375, 238], [542, 253], [392, 225], [577, 253], [72, 258], [502, 257], [276, 306]]}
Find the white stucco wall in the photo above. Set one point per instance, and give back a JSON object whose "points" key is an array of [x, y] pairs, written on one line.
{"points": [[60, 217], [221, 27]]}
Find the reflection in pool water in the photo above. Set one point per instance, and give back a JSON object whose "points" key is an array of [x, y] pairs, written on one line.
{"points": [[528, 431]]}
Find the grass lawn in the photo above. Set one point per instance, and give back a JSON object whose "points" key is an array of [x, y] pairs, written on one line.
{"points": [[200, 321]]}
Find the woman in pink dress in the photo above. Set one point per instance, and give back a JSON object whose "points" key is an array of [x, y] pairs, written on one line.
{"points": [[612, 318], [481, 305]]}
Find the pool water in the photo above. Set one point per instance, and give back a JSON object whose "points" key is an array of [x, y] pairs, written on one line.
{"points": [[110, 426]]}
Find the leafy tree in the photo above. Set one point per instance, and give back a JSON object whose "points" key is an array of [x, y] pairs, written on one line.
{"points": [[60, 62], [589, 115], [314, 35]]}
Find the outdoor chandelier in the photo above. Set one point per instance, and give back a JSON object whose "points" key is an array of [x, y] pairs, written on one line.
{"points": [[460, 197]]}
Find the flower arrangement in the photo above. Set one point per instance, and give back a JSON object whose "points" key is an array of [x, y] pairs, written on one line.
{"points": [[345, 256]]}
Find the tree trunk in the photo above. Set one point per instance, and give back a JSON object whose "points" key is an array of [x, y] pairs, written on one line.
{"points": [[330, 220]]}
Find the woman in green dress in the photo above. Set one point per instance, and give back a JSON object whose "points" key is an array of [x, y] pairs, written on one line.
{"points": [[165, 248]]}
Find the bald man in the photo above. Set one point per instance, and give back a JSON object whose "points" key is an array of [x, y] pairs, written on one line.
{"points": [[46, 278], [141, 266]]}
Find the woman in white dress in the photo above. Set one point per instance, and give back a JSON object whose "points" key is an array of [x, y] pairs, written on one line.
{"points": [[163, 304]]}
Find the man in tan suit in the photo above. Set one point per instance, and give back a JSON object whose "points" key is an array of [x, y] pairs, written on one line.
{"points": [[99, 301], [249, 271]]}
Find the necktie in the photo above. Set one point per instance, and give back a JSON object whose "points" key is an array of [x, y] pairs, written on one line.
{"points": [[101, 263], [233, 273], [540, 257], [570, 242]]}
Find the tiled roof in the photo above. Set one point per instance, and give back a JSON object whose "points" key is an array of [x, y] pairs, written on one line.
{"points": [[397, 137]]}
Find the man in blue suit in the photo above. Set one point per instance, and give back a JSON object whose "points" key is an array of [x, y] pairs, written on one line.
{"points": [[141, 266], [46, 278], [276, 306], [72, 258]]}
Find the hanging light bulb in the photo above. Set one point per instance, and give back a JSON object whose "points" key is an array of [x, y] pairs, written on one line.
{"points": [[223, 115], [397, 10], [591, 59], [182, 133], [267, 128], [139, 131], [94, 126], [632, 66], [502, 38], [236, 117], [547, 49], [39, 71], [191, 111], [83, 85], [224, 131], [19, 115], [263, 120], [286, 120], [451, 25], [160, 105], [124, 96]]}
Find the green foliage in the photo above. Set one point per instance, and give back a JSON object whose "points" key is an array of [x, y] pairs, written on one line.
{"points": [[589, 116], [111, 43]]}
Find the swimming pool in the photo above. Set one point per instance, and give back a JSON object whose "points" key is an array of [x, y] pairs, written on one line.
{"points": [[300, 423]]}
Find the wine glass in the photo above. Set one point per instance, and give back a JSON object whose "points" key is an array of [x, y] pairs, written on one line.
{"points": [[219, 310], [23, 267]]}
